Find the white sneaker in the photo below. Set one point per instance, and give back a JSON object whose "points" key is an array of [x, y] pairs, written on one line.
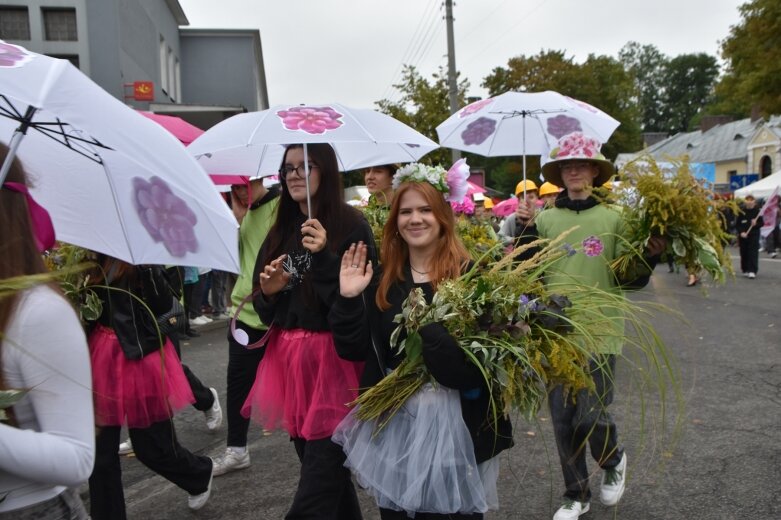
{"points": [[613, 483], [195, 502], [214, 414], [229, 461], [125, 447], [198, 321], [206, 318], [571, 510], [751, 276]]}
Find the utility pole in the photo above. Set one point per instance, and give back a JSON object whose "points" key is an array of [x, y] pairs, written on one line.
{"points": [[451, 66]]}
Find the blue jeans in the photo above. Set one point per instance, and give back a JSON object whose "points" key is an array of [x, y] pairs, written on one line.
{"points": [[585, 420]]}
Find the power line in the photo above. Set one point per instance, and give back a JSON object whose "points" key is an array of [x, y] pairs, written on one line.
{"points": [[414, 43], [478, 24]]}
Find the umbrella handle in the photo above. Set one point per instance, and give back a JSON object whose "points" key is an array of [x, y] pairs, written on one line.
{"points": [[306, 180]]}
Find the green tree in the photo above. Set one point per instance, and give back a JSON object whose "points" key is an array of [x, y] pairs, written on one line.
{"points": [[424, 105], [601, 81], [752, 53], [689, 81], [647, 66]]}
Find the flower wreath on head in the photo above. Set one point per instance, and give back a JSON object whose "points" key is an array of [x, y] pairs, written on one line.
{"points": [[451, 183]]}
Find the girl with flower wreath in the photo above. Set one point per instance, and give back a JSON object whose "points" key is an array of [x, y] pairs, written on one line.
{"points": [[436, 457], [301, 383], [47, 438]]}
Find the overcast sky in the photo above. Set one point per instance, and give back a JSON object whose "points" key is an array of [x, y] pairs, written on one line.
{"points": [[351, 51]]}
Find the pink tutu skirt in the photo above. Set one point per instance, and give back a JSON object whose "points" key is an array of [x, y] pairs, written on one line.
{"points": [[302, 385], [136, 393]]}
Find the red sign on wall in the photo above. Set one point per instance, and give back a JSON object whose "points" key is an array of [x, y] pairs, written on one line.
{"points": [[143, 91]]}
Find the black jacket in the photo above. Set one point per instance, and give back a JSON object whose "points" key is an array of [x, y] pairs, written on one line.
{"points": [[131, 321], [744, 218], [355, 320]]}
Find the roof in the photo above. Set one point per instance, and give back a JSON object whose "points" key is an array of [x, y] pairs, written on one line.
{"points": [[178, 12], [725, 142]]}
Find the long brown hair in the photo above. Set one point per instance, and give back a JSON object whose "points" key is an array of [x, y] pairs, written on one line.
{"points": [[328, 206], [451, 255], [19, 254]]}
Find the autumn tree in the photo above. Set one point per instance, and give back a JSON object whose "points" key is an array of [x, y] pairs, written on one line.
{"points": [[752, 53], [647, 66], [688, 81], [423, 105]]}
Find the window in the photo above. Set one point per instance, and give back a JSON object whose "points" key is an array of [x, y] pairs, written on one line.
{"points": [[59, 24], [171, 72], [73, 58], [14, 23], [178, 80], [163, 66], [765, 167]]}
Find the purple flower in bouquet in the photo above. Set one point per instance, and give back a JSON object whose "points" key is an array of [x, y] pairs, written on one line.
{"points": [[472, 108], [562, 125], [12, 56], [312, 120], [592, 246], [166, 217], [527, 304], [478, 131], [568, 249]]}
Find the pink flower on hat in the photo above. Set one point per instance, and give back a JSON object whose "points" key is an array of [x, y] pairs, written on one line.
{"points": [[312, 120], [576, 145]]}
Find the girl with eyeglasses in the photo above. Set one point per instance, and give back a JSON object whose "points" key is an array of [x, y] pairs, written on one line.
{"points": [[302, 385]]}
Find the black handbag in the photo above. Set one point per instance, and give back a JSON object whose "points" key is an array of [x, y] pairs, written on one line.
{"points": [[173, 321]]}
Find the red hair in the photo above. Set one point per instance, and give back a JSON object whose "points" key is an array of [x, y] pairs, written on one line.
{"points": [[450, 253]]}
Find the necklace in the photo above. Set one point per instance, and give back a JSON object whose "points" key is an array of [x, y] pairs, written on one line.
{"points": [[419, 272]]}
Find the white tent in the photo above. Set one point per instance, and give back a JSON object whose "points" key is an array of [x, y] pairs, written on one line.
{"points": [[761, 189]]}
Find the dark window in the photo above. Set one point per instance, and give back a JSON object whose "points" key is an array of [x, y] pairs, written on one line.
{"points": [[59, 24], [73, 58], [14, 23], [765, 167]]}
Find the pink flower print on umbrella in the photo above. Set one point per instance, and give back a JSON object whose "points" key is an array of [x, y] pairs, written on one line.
{"points": [[312, 120], [584, 106], [562, 125], [472, 108], [13, 56], [576, 145], [166, 217], [478, 131], [592, 246]]}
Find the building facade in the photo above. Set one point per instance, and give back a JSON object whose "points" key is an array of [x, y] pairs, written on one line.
{"points": [[140, 52]]}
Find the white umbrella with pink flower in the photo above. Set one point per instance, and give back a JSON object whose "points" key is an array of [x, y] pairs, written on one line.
{"points": [[112, 180], [522, 123], [253, 143]]}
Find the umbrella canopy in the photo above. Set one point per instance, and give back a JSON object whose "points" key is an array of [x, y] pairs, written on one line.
{"points": [[181, 129], [254, 143], [506, 207], [113, 181], [761, 189], [522, 123]]}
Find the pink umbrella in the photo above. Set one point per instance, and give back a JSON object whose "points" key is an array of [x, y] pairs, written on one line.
{"points": [[506, 207], [473, 188], [180, 128]]}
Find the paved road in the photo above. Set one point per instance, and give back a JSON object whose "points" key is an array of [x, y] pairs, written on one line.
{"points": [[712, 452]]}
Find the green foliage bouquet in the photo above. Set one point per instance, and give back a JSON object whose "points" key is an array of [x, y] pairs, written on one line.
{"points": [[521, 334], [659, 202]]}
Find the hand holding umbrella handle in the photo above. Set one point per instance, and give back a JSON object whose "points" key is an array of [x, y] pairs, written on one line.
{"points": [[315, 236]]}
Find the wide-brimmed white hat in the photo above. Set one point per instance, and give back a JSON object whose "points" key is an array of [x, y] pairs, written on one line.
{"points": [[577, 147]]}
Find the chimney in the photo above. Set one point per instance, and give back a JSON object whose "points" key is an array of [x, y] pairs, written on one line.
{"points": [[708, 122], [756, 112]]}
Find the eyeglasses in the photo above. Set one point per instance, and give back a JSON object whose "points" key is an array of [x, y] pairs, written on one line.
{"points": [[299, 170], [573, 166]]}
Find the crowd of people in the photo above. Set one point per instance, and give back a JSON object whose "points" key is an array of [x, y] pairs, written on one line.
{"points": [[313, 312]]}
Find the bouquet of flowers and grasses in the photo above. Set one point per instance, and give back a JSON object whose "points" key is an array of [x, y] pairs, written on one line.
{"points": [[376, 213], [522, 335], [672, 203], [479, 239]]}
